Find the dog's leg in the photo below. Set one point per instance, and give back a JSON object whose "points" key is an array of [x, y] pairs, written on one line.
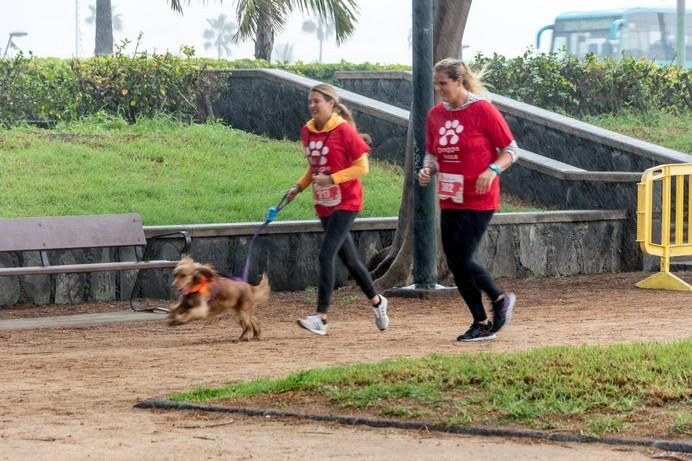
{"points": [[246, 330], [256, 331]]}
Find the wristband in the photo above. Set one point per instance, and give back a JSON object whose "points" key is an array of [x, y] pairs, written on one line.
{"points": [[495, 168]]}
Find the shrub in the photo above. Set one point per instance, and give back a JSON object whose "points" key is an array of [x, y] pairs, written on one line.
{"points": [[588, 86]]}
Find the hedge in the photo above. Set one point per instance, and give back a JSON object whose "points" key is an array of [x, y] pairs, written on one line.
{"points": [[44, 90]]}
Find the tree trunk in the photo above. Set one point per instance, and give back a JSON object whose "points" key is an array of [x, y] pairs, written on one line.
{"points": [[104, 28], [448, 31], [264, 42], [396, 266]]}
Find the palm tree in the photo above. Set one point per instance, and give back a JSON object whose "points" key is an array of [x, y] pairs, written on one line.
{"points": [[104, 28], [117, 18], [261, 20], [283, 53], [323, 29], [104, 37], [220, 35]]}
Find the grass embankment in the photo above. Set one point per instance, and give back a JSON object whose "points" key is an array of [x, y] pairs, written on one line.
{"points": [[168, 172], [642, 390], [194, 174], [670, 130]]}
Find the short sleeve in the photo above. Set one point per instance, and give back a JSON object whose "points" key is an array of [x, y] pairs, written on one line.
{"points": [[497, 128], [356, 145]]}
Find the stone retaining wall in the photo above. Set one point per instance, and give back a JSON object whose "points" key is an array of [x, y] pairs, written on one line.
{"points": [[517, 245]]}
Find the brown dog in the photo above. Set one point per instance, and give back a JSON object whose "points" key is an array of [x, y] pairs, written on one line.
{"points": [[204, 293]]}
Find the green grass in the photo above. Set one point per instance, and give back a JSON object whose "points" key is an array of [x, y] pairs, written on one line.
{"points": [[172, 173], [168, 172], [593, 390], [670, 130]]}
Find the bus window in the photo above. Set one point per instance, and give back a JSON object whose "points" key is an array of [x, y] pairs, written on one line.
{"points": [[639, 32]]}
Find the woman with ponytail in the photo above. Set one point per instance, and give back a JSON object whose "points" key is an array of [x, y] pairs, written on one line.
{"points": [[468, 145], [337, 157]]}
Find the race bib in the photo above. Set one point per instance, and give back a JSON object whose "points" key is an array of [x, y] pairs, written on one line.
{"points": [[450, 186], [326, 195]]}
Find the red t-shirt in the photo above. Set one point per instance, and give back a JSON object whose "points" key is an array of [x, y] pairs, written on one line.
{"points": [[329, 152], [466, 141]]}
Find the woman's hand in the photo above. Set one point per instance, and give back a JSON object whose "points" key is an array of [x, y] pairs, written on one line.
{"points": [[322, 180], [425, 176], [292, 192], [484, 181]]}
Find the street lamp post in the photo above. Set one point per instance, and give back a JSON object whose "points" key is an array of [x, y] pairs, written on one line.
{"points": [[425, 251], [680, 36], [10, 43]]}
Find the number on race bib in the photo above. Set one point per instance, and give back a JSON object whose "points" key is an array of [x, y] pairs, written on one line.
{"points": [[450, 186], [326, 195]]}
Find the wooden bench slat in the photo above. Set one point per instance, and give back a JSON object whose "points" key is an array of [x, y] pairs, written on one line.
{"points": [[92, 267], [67, 232]]}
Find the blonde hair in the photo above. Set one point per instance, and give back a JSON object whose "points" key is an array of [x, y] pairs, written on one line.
{"points": [[329, 94], [456, 69]]}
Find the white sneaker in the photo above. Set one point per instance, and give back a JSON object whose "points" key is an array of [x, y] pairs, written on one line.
{"points": [[314, 324], [380, 311]]}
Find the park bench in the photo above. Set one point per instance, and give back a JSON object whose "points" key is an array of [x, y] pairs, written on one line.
{"points": [[82, 232]]}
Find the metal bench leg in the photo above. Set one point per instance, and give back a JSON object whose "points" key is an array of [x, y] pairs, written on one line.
{"points": [[134, 305]]}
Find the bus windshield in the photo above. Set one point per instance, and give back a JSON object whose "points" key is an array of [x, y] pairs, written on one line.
{"points": [[639, 32]]}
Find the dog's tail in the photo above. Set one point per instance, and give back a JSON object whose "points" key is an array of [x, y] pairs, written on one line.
{"points": [[261, 291]]}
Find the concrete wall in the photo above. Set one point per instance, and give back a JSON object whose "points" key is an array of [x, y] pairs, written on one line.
{"points": [[517, 245]]}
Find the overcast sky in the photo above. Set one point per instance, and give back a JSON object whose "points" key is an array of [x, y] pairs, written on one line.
{"points": [[504, 26]]}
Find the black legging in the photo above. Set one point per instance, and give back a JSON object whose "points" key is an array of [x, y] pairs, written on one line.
{"points": [[337, 238], [462, 231]]}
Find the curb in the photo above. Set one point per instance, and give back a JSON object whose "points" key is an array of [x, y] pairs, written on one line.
{"points": [[668, 445]]}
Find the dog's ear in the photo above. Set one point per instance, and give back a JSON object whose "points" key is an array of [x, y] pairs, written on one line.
{"points": [[185, 262], [205, 271]]}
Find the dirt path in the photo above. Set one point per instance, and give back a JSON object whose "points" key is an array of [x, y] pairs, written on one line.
{"points": [[67, 393]]}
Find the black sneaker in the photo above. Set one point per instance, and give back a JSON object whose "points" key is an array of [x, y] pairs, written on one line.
{"points": [[478, 332], [502, 310]]}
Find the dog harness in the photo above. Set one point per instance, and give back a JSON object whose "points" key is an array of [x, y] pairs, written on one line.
{"points": [[203, 288]]}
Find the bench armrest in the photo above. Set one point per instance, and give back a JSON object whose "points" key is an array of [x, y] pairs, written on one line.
{"points": [[183, 233]]}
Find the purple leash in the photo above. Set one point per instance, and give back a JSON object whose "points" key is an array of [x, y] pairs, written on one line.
{"points": [[271, 215]]}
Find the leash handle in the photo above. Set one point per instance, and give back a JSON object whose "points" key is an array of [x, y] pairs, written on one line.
{"points": [[273, 211], [271, 216]]}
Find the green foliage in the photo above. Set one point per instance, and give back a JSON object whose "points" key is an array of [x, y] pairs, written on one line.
{"points": [[325, 72], [588, 86], [142, 86], [317, 71], [38, 89], [35, 90], [46, 90]]}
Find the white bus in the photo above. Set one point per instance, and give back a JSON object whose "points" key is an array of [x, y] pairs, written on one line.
{"points": [[638, 32]]}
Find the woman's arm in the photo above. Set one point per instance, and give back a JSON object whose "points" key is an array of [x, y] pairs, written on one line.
{"points": [[359, 168]]}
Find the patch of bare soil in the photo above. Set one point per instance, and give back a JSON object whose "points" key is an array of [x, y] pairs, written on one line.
{"points": [[68, 393]]}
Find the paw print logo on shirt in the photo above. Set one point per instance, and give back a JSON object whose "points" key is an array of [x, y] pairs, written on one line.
{"points": [[449, 133], [316, 153]]}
